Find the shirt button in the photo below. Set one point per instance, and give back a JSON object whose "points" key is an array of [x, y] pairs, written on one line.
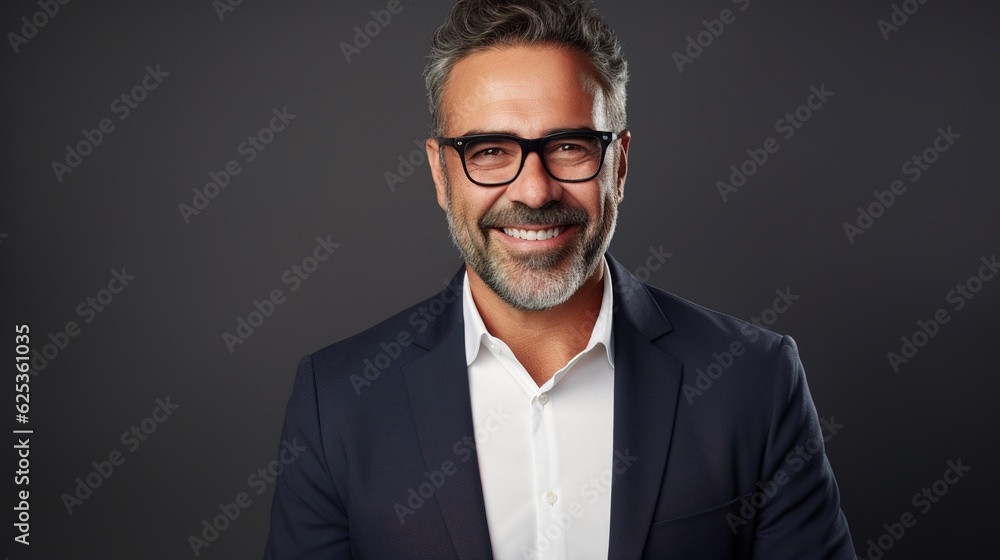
{"points": [[494, 348], [551, 497], [543, 399]]}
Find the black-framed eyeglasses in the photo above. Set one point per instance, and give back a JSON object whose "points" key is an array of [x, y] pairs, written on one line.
{"points": [[571, 156]]}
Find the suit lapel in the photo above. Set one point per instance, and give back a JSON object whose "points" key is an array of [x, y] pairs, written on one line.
{"points": [[647, 387], [438, 388]]}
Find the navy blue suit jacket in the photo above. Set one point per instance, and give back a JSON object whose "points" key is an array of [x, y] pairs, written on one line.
{"points": [[723, 461]]}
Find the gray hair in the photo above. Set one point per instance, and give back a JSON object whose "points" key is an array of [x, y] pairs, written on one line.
{"points": [[476, 25]]}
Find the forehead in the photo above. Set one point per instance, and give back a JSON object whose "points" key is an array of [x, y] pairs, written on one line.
{"points": [[524, 90]]}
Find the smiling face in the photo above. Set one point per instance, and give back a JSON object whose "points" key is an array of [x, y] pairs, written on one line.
{"points": [[534, 241]]}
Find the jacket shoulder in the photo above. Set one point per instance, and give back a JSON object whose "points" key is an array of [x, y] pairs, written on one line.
{"points": [[701, 326], [727, 359]]}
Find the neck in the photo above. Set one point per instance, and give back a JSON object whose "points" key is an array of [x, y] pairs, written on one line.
{"points": [[544, 340]]}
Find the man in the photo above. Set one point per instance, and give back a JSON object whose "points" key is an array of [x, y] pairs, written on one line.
{"points": [[534, 408]]}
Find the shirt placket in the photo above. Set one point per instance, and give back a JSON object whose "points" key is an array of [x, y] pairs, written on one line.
{"points": [[550, 538]]}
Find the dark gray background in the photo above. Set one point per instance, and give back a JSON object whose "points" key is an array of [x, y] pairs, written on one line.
{"points": [[323, 176]]}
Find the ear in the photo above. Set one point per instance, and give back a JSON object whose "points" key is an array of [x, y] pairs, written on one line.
{"points": [[437, 172], [626, 138]]}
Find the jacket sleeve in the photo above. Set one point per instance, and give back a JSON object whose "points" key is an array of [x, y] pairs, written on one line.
{"points": [[799, 515], [308, 512]]}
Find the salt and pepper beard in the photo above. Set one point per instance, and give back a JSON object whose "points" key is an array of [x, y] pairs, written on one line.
{"points": [[533, 282]]}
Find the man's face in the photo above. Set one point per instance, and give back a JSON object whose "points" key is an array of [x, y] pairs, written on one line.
{"points": [[528, 92]]}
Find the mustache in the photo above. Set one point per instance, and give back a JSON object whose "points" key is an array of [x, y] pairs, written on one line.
{"points": [[521, 214]]}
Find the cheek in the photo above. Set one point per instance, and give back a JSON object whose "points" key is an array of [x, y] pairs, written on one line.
{"points": [[463, 209], [469, 201], [608, 191], [596, 203]]}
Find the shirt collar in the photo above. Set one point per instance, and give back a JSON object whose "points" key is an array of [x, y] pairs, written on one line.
{"points": [[476, 333]]}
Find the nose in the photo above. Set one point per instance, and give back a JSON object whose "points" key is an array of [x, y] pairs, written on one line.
{"points": [[534, 187]]}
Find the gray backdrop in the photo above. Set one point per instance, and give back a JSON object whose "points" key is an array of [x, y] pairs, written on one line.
{"points": [[199, 78]]}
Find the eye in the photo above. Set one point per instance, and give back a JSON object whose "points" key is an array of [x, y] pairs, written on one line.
{"points": [[488, 152], [570, 147], [492, 152], [572, 150]]}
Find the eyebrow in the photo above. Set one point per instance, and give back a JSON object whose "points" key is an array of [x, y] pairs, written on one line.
{"points": [[512, 133]]}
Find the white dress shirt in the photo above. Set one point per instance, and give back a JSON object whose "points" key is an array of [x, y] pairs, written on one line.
{"points": [[545, 453]]}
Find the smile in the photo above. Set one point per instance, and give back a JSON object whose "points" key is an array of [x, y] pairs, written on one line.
{"points": [[533, 235]]}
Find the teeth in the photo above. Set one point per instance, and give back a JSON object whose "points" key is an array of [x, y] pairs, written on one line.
{"points": [[532, 235]]}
